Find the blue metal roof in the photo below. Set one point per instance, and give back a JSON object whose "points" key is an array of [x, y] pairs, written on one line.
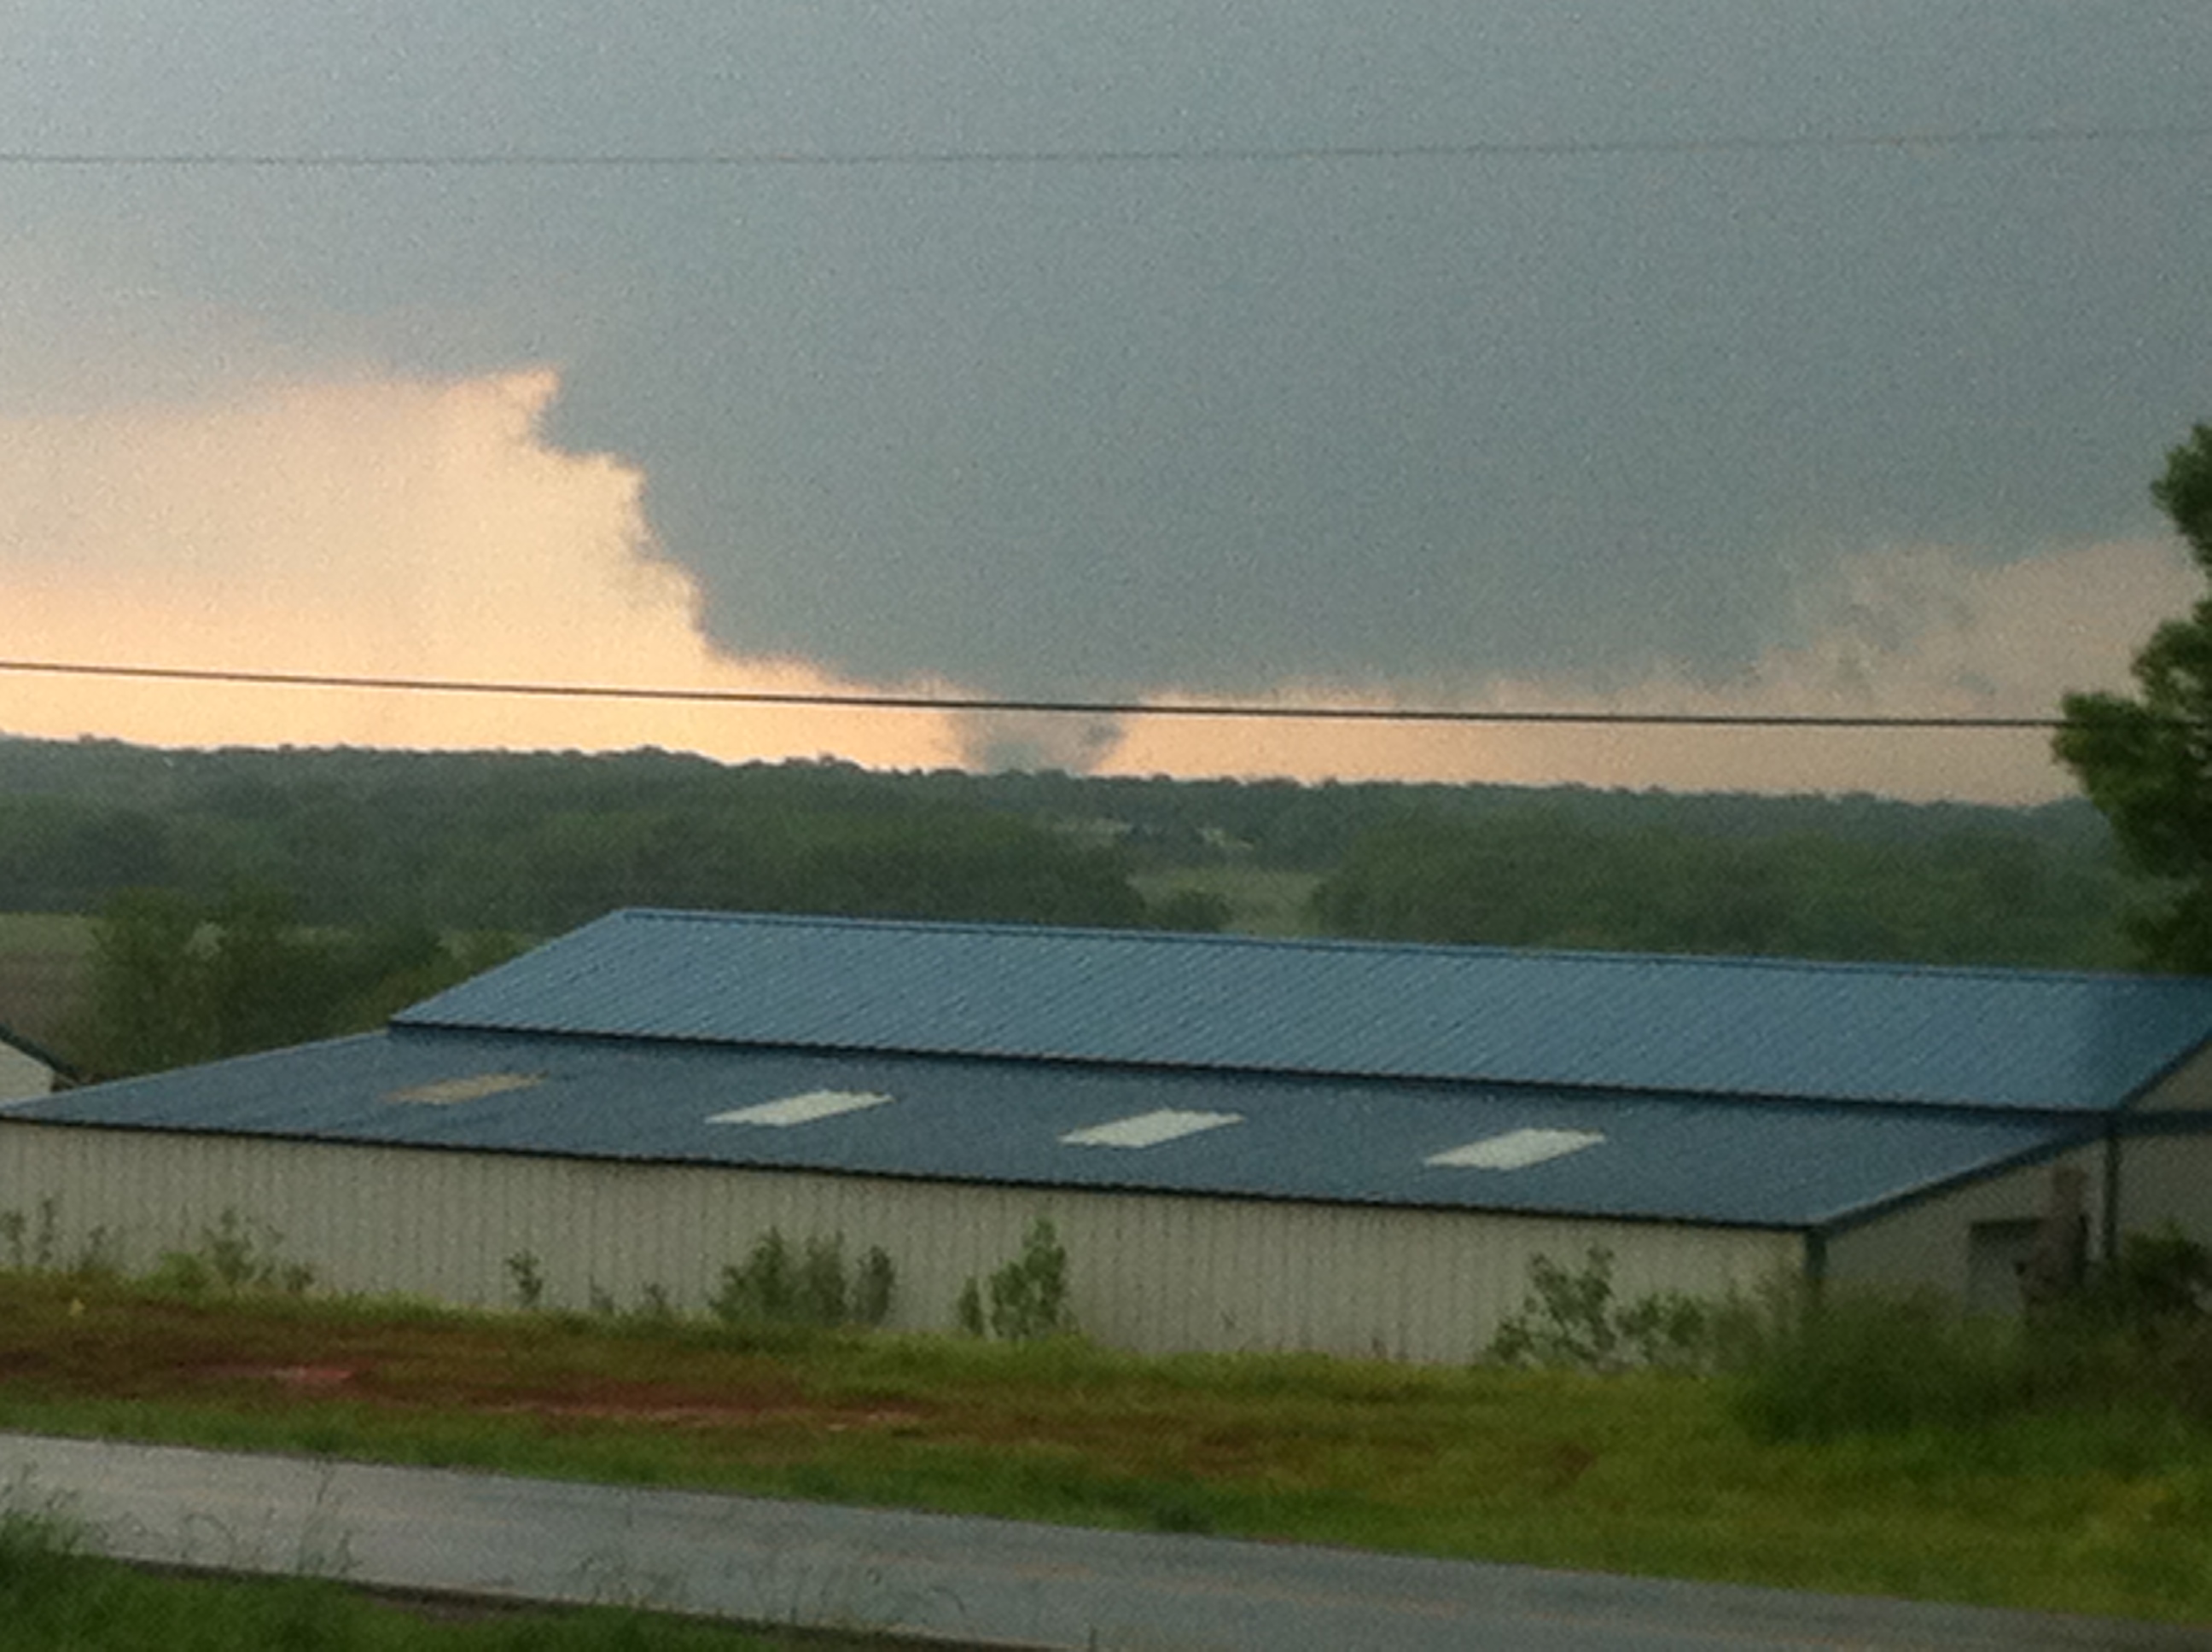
{"points": [[1349, 1140], [1802, 1031]]}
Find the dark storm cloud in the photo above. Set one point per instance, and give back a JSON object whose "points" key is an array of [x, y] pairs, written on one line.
{"points": [[1052, 428]]}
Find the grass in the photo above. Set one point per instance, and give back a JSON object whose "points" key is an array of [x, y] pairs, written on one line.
{"points": [[52, 1594], [2108, 1512]]}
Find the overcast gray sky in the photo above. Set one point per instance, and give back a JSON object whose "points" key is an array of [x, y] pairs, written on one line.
{"points": [[1580, 419]]}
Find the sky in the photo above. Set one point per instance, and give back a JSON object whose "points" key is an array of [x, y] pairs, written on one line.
{"points": [[1707, 356]]}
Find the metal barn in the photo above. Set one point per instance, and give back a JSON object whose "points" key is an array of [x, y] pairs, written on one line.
{"points": [[1242, 1144]]}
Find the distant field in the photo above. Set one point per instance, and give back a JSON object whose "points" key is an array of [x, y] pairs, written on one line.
{"points": [[1261, 900], [43, 959]]}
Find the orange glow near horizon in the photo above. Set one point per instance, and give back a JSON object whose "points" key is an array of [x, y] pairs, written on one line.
{"points": [[381, 527]]}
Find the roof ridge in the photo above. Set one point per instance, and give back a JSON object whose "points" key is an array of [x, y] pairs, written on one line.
{"points": [[1538, 955]]}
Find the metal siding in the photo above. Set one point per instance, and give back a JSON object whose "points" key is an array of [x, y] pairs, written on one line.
{"points": [[1149, 1272], [1862, 1032], [1924, 1245], [22, 1073], [2188, 1088]]}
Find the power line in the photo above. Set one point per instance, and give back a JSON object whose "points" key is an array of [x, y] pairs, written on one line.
{"points": [[1226, 710], [1135, 155]]}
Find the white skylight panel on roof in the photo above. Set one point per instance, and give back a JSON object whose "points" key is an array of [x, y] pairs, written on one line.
{"points": [[1516, 1149], [803, 1109], [1149, 1129]]}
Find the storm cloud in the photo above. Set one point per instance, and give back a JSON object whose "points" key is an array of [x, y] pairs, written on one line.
{"points": [[1105, 362]]}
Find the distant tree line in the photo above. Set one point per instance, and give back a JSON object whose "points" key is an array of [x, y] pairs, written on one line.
{"points": [[533, 845], [1539, 877], [251, 898], [173, 981]]}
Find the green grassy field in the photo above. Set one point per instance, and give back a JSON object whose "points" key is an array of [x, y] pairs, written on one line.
{"points": [[51, 1596], [2101, 1511]]}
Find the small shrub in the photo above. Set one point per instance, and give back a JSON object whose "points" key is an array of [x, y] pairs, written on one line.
{"points": [[45, 1243], [1028, 1295], [229, 1249], [776, 1287], [33, 1246], [764, 1290], [872, 1287], [1570, 1319], [1846, 1363], [527, 1280], [821, 1283], [2159, 1284], [181, 1273], [99, 1257], [32, 1249], [234, 1255]]}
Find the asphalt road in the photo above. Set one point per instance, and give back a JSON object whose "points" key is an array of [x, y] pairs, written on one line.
{"points": [[969, 1582]]}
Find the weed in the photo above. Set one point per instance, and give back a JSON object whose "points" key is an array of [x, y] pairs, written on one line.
{"points": [[821, 1283], [99, 1257], [234, 1255], [1570, 1319], [872, 1287], [765, 1288], [1846, 1363], [811, 1288], [527, 1280], [33, 1248], [1028, 1295], [2159, 1284], [181, 1273]]}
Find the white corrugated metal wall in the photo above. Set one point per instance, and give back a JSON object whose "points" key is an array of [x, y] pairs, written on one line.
{"points": [[22, 1073], [2167, 1178], [1925, 1245], [1150, 1272], [2188, 1087]]}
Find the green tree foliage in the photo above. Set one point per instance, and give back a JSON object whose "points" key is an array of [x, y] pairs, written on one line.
{"points": [[150, 997], [1028, 1295], [779, 1285], [394, 843], [1573, 1320], [175, 980], [1542, 876], [2146, 760]]}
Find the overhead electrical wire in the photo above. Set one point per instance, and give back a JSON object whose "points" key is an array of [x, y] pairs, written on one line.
{"points": [[1226, 710], [1103, 155]]}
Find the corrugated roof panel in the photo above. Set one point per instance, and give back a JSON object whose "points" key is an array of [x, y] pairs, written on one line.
{"points": [[1357, 1141], [1814, 1031]]}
